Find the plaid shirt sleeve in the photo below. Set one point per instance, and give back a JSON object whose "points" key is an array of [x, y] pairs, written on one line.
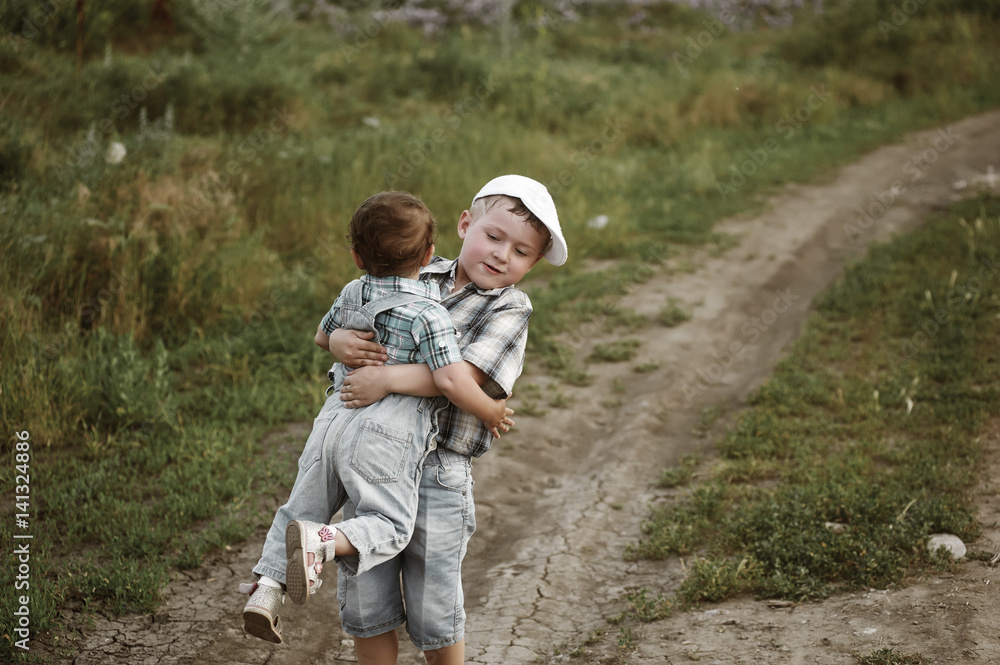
{"points": [[434, 334], [495, 344], [331, 321]]}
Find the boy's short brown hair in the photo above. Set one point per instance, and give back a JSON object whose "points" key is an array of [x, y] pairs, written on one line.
{"points": [[391, 232], [516, 207]]}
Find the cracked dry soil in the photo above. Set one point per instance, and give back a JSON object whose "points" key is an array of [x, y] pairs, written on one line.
{"points": [[559, 500]]}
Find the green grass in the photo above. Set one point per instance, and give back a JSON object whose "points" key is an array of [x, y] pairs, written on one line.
{"points": [[681, 474], [158, 313], [646, 367], [615, 352], [645, 607], [872, 422], [672, 314], [707, 418], [887, 656], [529, 396]]}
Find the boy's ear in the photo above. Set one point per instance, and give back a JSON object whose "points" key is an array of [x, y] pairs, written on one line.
{"points": [[357, 260], [427, 257], [464, 222]]}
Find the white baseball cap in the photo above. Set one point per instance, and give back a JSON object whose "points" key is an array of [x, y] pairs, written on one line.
{"points": [[537, 199]]}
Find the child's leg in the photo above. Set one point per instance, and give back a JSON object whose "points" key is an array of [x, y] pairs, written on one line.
{"points": [[316, 495], [371, 607], [306, 541], [380, 471], [432, 562], [453, 655], [378, 460], [378, 650]]}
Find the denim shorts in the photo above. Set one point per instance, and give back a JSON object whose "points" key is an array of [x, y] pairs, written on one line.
{"points": [[422, 586]]}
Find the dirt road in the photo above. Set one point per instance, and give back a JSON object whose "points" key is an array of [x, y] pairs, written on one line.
{"points": [[558, 502]]}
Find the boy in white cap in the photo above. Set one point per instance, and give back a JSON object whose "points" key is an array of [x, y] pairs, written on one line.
{"points": [[511, 224], [369, 460]]}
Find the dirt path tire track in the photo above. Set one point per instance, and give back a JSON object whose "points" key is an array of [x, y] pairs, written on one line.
{"points": [[558, 502], [562, 569]]}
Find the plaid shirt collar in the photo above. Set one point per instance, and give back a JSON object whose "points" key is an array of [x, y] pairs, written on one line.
{"points": [[442, 266], [393, 284]]}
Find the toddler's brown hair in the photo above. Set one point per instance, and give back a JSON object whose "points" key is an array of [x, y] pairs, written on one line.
{"points": [[391, 232]]}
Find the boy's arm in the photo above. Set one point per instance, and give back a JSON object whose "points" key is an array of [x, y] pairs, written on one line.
{"points": [[367, 385], [354, 348], [459, 382], [494, 348], [322, 339], [495, 343]]}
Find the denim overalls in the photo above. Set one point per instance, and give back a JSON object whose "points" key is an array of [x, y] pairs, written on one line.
{"points": [[367, 460]]}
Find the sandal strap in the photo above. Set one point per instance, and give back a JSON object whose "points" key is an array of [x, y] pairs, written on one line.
{"points": [[321, 543]]}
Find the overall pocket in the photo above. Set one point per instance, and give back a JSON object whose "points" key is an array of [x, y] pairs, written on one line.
{"points": [[379, 452]]}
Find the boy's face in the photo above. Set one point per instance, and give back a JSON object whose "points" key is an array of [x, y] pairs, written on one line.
{"points": [[498, 249]]}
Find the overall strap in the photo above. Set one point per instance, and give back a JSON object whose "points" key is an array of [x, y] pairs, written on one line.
{"points": [[396, 299], [351, 294]]}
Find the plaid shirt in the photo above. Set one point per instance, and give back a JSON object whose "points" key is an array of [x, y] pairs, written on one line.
{"points": [[492, 332], [419, 332]]}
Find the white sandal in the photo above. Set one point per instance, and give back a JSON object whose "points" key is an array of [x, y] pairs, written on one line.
{"points": [[260, 616], [301, 539]]}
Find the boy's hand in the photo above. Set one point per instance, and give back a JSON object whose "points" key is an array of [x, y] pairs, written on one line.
{"points": [[363, 386], [502, 421], [354, 348]]}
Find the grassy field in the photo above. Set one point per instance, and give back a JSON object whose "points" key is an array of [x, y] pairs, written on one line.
{"points": [[867, 439], [172, 215]]}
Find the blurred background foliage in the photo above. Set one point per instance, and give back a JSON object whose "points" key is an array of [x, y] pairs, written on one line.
{"points": [[173, 207]]}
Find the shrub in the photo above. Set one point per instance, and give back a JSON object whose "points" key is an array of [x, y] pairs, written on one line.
{"points": [[615, 352], [672, 314], [116, 385], [713, 580], [888, 656], [14, 155]]}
